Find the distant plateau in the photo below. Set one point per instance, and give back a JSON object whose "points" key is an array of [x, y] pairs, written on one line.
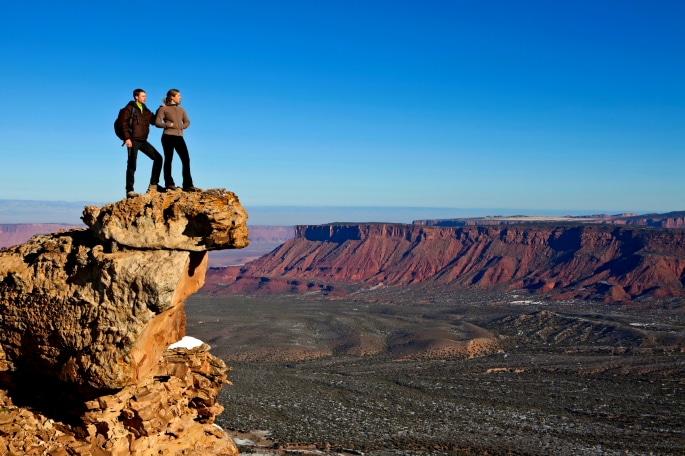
{"points": [[607, 258]]}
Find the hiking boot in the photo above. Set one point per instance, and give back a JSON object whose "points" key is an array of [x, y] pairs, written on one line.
{"points": [[191, 189], [131, 194], [155, 188], [171, 188]]}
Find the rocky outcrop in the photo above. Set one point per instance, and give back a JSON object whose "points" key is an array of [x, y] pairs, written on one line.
{"points": [[170, 413], [92, 313], [76, 312], [210, 220], [562, 262]]}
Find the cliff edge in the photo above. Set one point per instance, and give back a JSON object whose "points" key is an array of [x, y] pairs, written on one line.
{"points": [[89, 315]]}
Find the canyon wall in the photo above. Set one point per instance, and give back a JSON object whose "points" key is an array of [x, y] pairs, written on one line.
{"points": [[609, 263]]}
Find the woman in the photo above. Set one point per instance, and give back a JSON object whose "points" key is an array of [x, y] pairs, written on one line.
{"points": [[173, 119]]}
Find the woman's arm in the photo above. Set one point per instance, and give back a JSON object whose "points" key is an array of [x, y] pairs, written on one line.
{"points": [[159, 118], [186, 120]]}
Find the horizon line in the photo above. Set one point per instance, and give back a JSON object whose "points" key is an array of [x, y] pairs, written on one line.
{"points": [[456, 208]]}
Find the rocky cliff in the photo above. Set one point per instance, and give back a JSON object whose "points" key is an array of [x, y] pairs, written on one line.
{"points": [[582, 261], [88, 315]]}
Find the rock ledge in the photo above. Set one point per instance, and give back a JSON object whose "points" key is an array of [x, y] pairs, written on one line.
{"points": [[209, 220]]}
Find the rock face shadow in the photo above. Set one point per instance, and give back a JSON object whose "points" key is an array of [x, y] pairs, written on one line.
{"points": [[59, 401]]}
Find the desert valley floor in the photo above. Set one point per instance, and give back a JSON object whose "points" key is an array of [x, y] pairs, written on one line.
{"points": [[393, 372]]}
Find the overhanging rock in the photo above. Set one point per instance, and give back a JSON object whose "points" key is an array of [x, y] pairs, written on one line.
{"points": [[194, 221]]}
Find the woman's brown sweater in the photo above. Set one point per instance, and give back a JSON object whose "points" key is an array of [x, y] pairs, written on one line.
{"points": [[172, 114]]}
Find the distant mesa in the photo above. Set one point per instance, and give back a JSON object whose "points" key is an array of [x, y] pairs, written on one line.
{"points": [[89, 314], [668, 220], [18, 233], [611, 262]]}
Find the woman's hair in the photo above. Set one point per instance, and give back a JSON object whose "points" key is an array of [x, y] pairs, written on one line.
{"points": [[169, 94]]}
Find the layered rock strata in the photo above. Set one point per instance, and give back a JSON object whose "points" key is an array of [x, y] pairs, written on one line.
{"points": [[563, 262], [92, 313]]}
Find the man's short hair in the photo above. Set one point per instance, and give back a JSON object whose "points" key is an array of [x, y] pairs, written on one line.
{"points": [[137, 92]]}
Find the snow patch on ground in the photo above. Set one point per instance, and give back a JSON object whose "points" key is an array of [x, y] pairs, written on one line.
{"points": [[187, 342]]}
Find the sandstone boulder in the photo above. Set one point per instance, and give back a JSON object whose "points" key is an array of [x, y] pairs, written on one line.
{"points": [[209, 220]]}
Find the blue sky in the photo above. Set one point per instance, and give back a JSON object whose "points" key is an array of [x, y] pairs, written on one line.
{"points": [[545, 105]]}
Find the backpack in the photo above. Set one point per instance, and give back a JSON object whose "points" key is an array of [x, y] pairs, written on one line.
{"points": [[117, 123]]}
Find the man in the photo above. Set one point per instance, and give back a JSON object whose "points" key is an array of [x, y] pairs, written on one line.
{"points": [[135, 123]]}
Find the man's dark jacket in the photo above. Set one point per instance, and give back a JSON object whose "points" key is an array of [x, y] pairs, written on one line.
{"points": [[140, 127]]}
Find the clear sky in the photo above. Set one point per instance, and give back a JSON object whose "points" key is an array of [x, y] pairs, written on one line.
{"points": [[548, 105]]}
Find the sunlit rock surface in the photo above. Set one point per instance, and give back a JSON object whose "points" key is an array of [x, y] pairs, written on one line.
{"points": [[196, 221]]}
